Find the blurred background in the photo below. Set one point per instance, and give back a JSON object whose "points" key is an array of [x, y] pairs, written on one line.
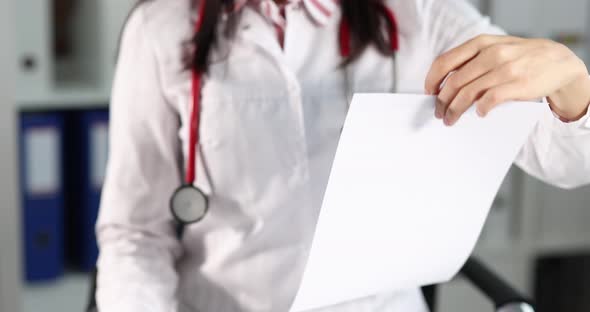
{"points": [[54, 121]]}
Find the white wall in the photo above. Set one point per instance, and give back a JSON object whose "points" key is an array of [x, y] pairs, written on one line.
{"points": [[83, 78], [9, 238]]}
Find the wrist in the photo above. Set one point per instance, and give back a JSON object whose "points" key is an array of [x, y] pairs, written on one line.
{"points": [[572, 101]]}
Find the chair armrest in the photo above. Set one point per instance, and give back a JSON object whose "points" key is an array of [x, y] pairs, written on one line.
{"points": [[504, 296]]}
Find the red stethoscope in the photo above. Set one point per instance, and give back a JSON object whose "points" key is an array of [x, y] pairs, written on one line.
{"points": [[189, 204]]}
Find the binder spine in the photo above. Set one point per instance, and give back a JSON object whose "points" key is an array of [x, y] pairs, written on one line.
{"points": [[42, 195], [87, 139], [96, 138]]}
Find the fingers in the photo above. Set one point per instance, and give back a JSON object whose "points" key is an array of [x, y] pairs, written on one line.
{"points": [[486, 61], [499, 94], [457, 57], [467, 96], [491, 70], [477, 90]]}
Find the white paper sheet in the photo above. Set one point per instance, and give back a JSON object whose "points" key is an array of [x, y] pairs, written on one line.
{"points": [[407, 196]]}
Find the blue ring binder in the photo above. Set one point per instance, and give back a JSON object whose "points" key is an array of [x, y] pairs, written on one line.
{"points": [[42, 198], [86, 135]]}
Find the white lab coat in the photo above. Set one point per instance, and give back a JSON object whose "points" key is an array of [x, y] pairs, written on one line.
{"points": [[270, 123]]}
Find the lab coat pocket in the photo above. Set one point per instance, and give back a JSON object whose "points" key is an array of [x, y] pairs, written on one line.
{"points": [[249, 145]]}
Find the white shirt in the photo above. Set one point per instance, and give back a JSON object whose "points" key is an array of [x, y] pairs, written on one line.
{"points": [[270, 122]]}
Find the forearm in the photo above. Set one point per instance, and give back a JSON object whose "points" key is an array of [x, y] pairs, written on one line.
{"points": [[575, 96], [136, 273]]}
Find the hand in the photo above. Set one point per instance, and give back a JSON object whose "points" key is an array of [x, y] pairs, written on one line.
{"points": [[491, 70]]}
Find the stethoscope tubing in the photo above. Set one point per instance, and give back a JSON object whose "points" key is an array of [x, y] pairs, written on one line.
{"points": [[196, 87]]}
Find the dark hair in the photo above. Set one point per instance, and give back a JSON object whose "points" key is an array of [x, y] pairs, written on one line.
{"points": [[365, 19]]}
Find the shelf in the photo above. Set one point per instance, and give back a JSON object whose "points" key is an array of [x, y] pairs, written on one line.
{"points": [[552, 245], [547, 245], [501, 251], [67, 294], [70, 96], [78, 74]]}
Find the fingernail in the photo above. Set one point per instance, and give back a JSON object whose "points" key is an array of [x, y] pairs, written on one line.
{"points": [[437, 114], [447, 121], [480, 113]]}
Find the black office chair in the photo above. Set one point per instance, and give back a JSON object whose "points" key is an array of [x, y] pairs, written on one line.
{"points": [[504, 296]]}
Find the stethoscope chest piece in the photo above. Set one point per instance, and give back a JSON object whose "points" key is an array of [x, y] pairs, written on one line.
{"points": [[189, 204]]}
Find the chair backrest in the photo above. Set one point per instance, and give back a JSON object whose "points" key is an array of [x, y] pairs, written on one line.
{"points": [[429, 293]]}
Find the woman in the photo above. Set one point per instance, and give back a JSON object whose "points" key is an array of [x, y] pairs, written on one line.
{"points": [[274, 81]]}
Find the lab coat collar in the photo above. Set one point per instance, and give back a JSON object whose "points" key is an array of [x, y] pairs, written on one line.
{"points": [[320, 11], [254, 29]]}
